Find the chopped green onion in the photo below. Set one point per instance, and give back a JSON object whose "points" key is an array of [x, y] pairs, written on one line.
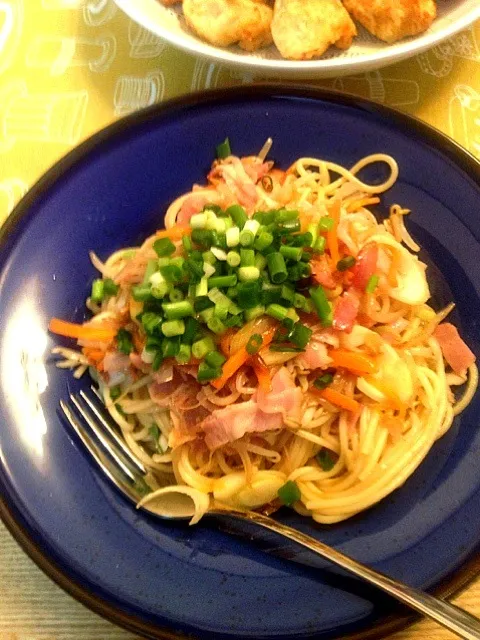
{"points": [[209, 257], [115, 392], [276, 311], [248, 273], [326, 224], [323, 381], [233, 237], [200, 348], [238, 215], [154, 432], [159, 290], [223, 149], [276, 267], [219, 254], [234, 321], [289, 493], [215, 359], [299, 301], [150, 321], [291, 253], [203, 237], [163, 247], [157, 361], [149, 271], [216, 325], [222, 281], [313, 231], [208, 270], [206, 373], [184, 354], [256, 312], [192, 327], [325, 459], [247, 257], [187, 242], [288, 227], [194, 269], [285, 348], [233, 258], [285, 215], [263, 240], [260, 262], [201, 288], [248, 294], [109, 287], [175, 295], [287, 295], [198, 221], [346, 263], [177, 310], [98, 290], [173, 328], [171, 273], [300, 335], [372, 283], [320, 244], [124, 341], [254, 343], [322, 305], [201, 303], [170, 347]]}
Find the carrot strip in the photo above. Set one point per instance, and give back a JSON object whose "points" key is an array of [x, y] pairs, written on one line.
{"points": [[238, 359], [393, 270], [232, 365], [263, 374], [83, 331], [332, 238], [356, 362], [355, 205], [175, 233], [336, 398]]}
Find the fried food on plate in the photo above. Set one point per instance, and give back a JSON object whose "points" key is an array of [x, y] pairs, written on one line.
{"points": [[303, 29], [392, 20], [226, 22]]}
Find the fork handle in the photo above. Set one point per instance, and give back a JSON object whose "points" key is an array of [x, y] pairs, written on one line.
{"points": [[448, 615]]}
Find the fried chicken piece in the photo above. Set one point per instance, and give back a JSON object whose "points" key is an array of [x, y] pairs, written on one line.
{"points": [[392, 20], [225, 22], [303, 29]]}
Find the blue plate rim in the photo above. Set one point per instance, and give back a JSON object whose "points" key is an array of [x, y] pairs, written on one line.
{"points": [[11, 516]]}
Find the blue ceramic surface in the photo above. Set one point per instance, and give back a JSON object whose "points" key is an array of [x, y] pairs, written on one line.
{"points": [[202, 581]]}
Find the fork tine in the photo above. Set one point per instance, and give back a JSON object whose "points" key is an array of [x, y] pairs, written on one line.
{"points": [[109, 469], [112, 432], [106, 443]]}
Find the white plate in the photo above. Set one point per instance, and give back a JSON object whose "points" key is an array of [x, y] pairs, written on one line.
{"points": [[365, 54]]}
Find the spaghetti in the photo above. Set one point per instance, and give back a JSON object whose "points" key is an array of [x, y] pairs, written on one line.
{"points": [[273, 345]]}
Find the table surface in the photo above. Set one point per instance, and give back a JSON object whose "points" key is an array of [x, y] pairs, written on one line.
{"points": [[70, 67]]}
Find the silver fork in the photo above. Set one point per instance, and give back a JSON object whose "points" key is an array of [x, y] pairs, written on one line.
{"points": [[87, 415]]}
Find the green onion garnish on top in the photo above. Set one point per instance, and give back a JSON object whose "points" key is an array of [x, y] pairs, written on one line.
{"points": [[289, 493], [254, 343], [124, 341], [372, 284], [346, 263], [223, 149], [163, 247], [325, 459], [323, 381]]}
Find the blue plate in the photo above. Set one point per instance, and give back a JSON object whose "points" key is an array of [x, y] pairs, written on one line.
{"points": [[167, 580]]}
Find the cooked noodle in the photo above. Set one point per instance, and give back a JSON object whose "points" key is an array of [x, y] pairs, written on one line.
{"points": [[342, 461]]}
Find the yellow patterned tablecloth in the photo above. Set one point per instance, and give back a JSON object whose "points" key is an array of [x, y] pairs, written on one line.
{"points": [[70, 67]]}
